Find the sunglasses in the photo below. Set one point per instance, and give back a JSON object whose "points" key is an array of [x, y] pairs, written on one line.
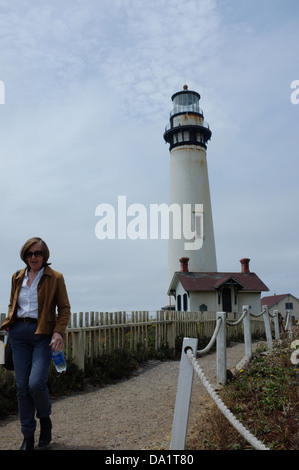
{"points": [[37, 254]]}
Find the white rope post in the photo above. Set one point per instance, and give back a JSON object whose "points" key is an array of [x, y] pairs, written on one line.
{"points": [[288, 323], [221, 349], [267, 326], [276, 324], [183, 397], [287, 319], [247, 332]]}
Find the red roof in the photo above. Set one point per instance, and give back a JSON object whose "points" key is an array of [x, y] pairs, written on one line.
{"points": [[198, 281]]}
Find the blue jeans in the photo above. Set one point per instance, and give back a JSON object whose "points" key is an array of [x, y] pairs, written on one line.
{"points": [[32, 359]]}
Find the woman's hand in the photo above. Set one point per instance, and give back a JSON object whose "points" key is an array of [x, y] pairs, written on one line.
{"points": [[56, 342]]}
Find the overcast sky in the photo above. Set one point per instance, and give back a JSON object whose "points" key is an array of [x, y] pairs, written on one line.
{"points": [[87, 96]]}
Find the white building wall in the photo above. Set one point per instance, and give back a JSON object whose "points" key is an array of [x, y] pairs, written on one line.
{"points": [[210, 300], [252, 299], [203, 298]]}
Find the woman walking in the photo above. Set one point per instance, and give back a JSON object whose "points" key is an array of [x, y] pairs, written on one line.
{"points": [[34, 327]]}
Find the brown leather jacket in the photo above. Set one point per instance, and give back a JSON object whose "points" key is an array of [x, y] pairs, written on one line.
{"points": [[51, 293]]}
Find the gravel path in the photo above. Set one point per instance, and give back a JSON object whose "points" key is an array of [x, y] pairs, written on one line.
{"points": [[133, 414]]}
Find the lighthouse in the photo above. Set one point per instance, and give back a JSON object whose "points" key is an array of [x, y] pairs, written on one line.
{"points": [[187, 134]]}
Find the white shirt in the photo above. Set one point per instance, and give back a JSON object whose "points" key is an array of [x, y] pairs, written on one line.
{"points": [[27, 300]]}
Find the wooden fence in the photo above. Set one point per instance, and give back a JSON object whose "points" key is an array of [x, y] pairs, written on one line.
{"points": [[92, 334]]}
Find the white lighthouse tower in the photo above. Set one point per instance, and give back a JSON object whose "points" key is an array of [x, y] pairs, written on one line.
{"points": [[188, 134]]}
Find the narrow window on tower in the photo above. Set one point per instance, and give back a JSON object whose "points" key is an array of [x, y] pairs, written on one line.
{"points": [[197, 224]]}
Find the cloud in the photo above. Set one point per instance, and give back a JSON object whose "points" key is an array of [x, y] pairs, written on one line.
{"points": [[88, 93]]}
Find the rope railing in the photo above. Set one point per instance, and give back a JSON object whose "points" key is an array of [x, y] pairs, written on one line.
{"points": [[221, 405], [190, 364], [258, 314], [212, 340], [219, 335], [231, 323]]}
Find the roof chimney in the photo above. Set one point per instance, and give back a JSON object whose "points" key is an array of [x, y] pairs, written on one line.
{"points": [[245, 265], [184, 265]]}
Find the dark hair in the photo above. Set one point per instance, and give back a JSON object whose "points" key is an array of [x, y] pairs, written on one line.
{"points": [[44, 249]]}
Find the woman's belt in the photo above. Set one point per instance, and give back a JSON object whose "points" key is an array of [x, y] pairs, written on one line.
{"points": [[27, 319]]}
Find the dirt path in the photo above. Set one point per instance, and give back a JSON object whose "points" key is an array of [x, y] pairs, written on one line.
{"points": [[130, 415]]}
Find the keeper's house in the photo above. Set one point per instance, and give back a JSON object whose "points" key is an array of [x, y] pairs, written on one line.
{"points": [[216, 291]]}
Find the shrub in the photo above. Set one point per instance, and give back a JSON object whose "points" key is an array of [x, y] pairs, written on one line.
{"points": [[109, 367], [264, 397], [8, 391], [71, 381]]}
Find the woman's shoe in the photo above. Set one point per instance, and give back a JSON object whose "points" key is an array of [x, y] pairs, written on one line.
{"points": [[28, 443], [45, 432]]}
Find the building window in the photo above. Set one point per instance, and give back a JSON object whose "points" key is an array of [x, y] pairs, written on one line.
{"points": [[185, 302], [289, 305], [179, 303]]}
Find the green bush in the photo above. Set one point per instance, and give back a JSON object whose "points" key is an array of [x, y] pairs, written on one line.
{"points": [[109, 367], [8, 391], [71, 381]]}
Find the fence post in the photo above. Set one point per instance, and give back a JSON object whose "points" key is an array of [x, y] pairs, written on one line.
{"points": [[288, 323], [78, 349], [170, 331], [276, 324], [183, 397], [221, 349], [267, 326], [247, 332], [287, 320]]}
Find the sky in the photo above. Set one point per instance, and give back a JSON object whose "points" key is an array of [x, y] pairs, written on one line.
{"points": [[85, 97]]}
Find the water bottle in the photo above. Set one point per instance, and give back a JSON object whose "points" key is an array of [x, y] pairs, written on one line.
{"points": [[59, 360]]}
